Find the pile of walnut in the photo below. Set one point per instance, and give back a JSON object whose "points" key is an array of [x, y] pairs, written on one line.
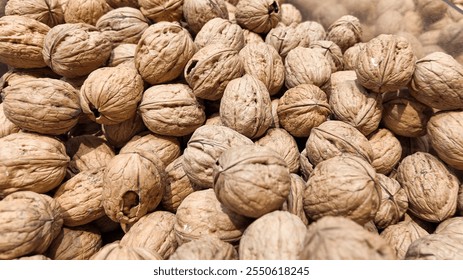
{"points": [[205, 129]]}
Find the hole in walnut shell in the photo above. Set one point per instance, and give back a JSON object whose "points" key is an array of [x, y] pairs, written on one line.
{"points": [[130, 201], [191, 66], [273, 8]]}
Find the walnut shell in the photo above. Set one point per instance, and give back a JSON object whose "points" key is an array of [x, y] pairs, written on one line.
{"points": [[161, 10], [246, 106], [343, 186], [85, 11], [75, 49], [306, 165], [110, 95], [22, 41], [115, 251], [386, 63], [18, 75], [198, 12], [275, 120], [401, 235], [154, 231], [122, 54], [311, 31], [331, 51], [201, 214], [31, 162], [121, 3], [211, 68], [81, 198], [42, 105], [171, 109], [306, 66], [446, 74], [119, 134], [450, 37], [431, 189], [350, 56], [251, 37], [290, 14], [333, 138], [78, 243], [394, 202], [278, 235], [6, 126], [258, 15], [286, 38], [302, 108], [435, 247], [263, 62], [219, 30], [205, 248], [339, 238], [387, 150], [345, 32], [265, 192], [451, 226], [48, 12], [28, 223], [34, 258], [123, 25], [294, 203]]}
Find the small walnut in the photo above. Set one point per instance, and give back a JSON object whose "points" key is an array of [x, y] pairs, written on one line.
{"points": [[350, 56], [17, 75], [310, 31], [110, 95], [31, 162], [258, 15], [154, 231], [431, 189], [343, 186], [115, 251], [163, 51], [290, 14], [394, 202], [42, 105], [333, 138], [161, 10], [246, 106], [22, 41], [6, 126], [435, 247], [401, 235], [302, 108], [221, 31], [205, 248], [200, 214], [75, 49], [49, 12], [123, 54], [123, 25], [278, 235], [387, 150], [331, 51], [294, 203], [85, 11], [386, 63], [345, 32], [80, 198], [446, 75], [171, 109], [77, 243], [306, 66], [265, 192], [119, 134], [285, 38], [28, 224], [211, 68], [339, 238], [198, 12]]}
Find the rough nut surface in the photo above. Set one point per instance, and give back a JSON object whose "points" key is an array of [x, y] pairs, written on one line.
{"points": [[198, 12], [6, 126], [387, 150], [331, 51], [123, 54], [77, 243], [401, 235], [178, 185], [286, 38], [290, 14], [85, 11], [115, 251], [306, 66], [294, 203], [435, 247], [258, 15], [345, 32], [219, 30], [205, 248], [394, 202], [49, 12], [161, 10], [119, 134]]}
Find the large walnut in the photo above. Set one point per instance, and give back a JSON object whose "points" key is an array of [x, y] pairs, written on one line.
{"points": [[77, 243], [205, 248], [401, 235], [115, 251], [306, 66], [162, 10], [394, 202], [219, 30], [259, 16], [49, 12], [198, 12], [85, 11], [387, 150]]}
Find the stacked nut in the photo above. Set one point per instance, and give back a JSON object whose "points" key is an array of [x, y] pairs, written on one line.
{"points": [[225, 130]]}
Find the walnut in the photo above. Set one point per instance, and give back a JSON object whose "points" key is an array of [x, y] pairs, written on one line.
{"points": [[278, 235], [222, 31], [77, 243], [350, 56], [123, 54], [42, 105], [285, 38], [275, 120], [80, 198], [343, 186], [431, 189], [251, 37], [115, 251], [394, 202], [451, 226], [123, 25], [290, 14], [161, 10], [171, 109], [28, 223], [339, 238], [246, 106], [294, 203], [435, 247], [386, 63], [268, 189], [200, 214], [154, 231], [345, 32], [231, 9], [306, 66], [49, 12], [178, 185], [85, 11], [331, 51], [446, 74], [387, 150], [16, 75], [6, 126], [310, 31], [211, 68], [205, 248], [306, 165], [119, 134], [414, 43], [133, 186], [399, 236], [198, 12], [22, 41], [31, 162], [204, 148], [163, 51], [75, 49], [258, 15], [333, 138], [302, 108], [263, 62], [110, 95]]}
